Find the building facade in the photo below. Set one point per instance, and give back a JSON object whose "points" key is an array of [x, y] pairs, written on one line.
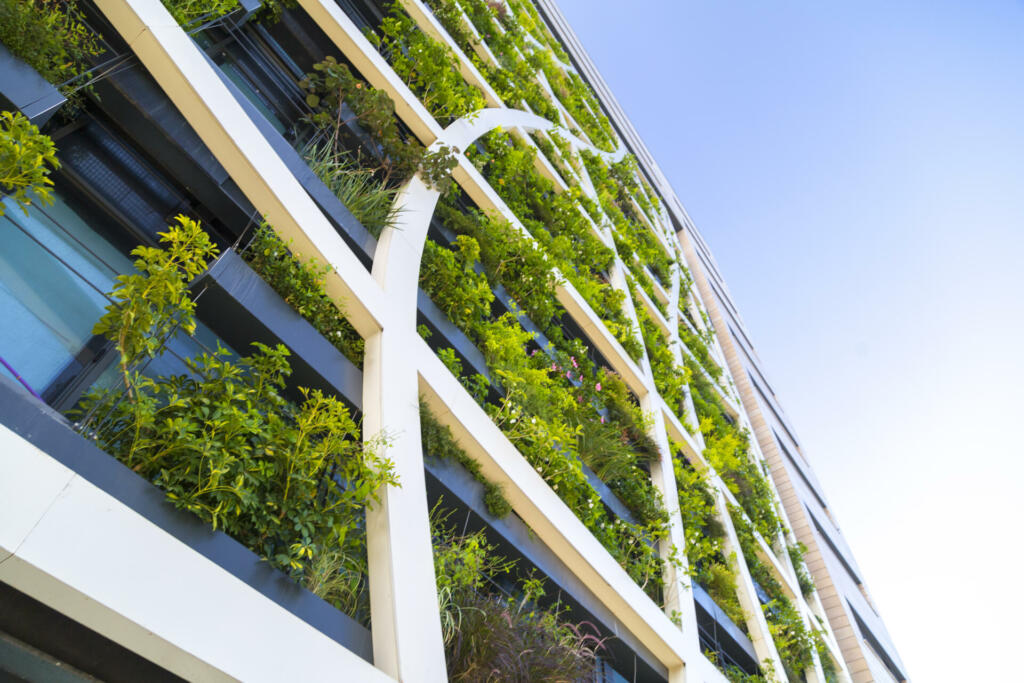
{"points": [[502, 422]]}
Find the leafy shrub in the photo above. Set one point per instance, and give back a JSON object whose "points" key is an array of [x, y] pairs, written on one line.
{"points": [[188, 12], [302, 286], [26, 160], [427, 66], [50, 36], [290, 482]]}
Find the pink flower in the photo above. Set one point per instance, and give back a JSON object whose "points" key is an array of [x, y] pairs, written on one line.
{"points": [[602, 419], [534, 352], [598, 387], [568, 374], [553, 367], [573, 359]]}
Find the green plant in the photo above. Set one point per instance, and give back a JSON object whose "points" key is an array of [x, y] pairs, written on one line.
{"points": [[803, 577], [369, 199], [491, 637], [556, 221], [793, 640], [26, 159], [51, 37], [188, 12], [438, 442], [427, 66], [544, 414], [302, 286], [727, 449], [331, 84], [290, 482], [704, 533]]}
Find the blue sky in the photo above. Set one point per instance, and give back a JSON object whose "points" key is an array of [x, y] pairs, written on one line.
{"points": [[858, 171]]}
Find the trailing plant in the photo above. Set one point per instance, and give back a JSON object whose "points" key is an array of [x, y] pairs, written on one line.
{"points": [[698, 346], [669, 379], [492, 636], [427, 66], [301, 285], [26, 159], [290, 482], [438, 442], [331, 85], [51, 37], [369, 198], [794, 642], [704, 539], [803, 577], [727, 449]]}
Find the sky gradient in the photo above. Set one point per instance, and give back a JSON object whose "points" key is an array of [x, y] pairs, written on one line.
{"points": [[858, 171]]}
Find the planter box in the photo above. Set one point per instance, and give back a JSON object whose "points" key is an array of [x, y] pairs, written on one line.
{"points": [[24, 90], [49, 431]]}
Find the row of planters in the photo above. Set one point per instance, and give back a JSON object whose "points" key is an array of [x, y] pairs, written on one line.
{"points": [[556, 405], [796, 644]]}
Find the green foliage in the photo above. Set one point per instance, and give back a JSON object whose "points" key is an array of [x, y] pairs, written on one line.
{"points": [[792, 638], [369, 199], [428, 67], [734, 674], [698, 346], [557, 222], [290, 482], [302, 286], [550, 409], [332, 84], [26, 160], [438, 442], [803, 577], [619, 195], [669, 379], [153, 303], [513, 77], [704, 533], [189, 12], [490, 637], [50, 36], [727, 449], [828, 666]]}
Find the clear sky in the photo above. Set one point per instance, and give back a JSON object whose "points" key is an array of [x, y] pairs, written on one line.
{"points": [[858, 171]]}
